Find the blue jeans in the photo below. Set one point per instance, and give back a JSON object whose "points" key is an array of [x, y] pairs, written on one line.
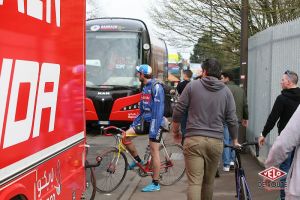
{"points": [[285, 166], [228, 154]]}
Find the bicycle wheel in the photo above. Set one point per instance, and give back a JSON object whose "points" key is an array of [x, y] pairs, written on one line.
{"points": [[243, 190], [112, 170], [237, 182], [172, 165], [90, 187]]}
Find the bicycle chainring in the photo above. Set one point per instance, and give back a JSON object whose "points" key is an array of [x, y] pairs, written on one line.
{"points": [[141, 173]]}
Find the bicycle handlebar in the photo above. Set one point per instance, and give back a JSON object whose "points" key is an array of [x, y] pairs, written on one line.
{"points": [[239, 148], [121, 135], [106, 129]]}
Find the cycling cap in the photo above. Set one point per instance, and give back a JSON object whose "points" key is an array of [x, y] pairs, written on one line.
{"points": [[145, 69]]}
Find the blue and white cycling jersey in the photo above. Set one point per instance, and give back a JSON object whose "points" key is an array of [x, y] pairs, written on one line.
{"points": [[151, 107]]}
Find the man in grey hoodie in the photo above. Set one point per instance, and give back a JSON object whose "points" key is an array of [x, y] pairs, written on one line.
{"points": [[209, 104]]}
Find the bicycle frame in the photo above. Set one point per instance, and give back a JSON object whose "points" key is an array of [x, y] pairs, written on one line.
{"points": [[121, 140], [240, 178], [93, 165]]}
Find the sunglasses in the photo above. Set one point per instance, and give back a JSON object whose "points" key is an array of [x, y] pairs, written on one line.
{"points": [[288, 73]]}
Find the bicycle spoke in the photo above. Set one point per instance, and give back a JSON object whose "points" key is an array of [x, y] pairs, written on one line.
{"points": [[111, 172], [172, 164]]}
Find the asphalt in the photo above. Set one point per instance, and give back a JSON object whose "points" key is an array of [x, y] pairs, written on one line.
{"points": [[224, 188]]}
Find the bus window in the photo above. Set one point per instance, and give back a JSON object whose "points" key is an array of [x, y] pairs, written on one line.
{"points": [[112, 58]]}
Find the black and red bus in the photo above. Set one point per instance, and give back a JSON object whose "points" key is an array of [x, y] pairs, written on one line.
{"points": [[114, 47]]}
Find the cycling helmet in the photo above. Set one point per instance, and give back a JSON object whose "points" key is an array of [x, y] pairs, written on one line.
{"points": [[145, 69]]}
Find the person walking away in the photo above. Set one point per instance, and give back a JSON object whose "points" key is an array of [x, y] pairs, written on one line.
{"points": [[283, 109], [241, 106], [149, 121], [187, 75], [285, 143], [209, 103]]}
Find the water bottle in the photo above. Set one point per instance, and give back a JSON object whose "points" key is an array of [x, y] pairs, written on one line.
{"points": [[147, 154]]}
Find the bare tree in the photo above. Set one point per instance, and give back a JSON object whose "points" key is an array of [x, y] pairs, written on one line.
{"points": [[93, 9], [185, 21]]}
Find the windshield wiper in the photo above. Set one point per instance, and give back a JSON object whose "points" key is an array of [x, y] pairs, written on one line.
{"points": [[116, 87]]}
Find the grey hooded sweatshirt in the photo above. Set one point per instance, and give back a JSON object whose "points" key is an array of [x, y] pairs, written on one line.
{"points": [[209, 104]]}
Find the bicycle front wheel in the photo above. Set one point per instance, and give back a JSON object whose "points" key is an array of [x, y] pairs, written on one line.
{"points": [[111, 171], [172, 165], [90, 186], [243, 195]]}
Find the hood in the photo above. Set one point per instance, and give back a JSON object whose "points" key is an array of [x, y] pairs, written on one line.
{"points": [[293, 93], [212, 84]]}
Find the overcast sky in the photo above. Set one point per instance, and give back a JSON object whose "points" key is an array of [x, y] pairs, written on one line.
{"points": [[132, 9], [127, 8]]}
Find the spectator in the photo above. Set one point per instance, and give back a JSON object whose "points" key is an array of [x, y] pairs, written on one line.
{"points": [[187, 75], [285, 143], [209, 104], [283, 109], [151, 115], [199, 74], [242, 115]]}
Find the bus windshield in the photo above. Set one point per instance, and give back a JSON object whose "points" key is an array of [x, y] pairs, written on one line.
{"points": [[111, 58]]}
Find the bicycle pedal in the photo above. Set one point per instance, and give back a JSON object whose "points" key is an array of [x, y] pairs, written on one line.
{"points": [[141, 173], [136, 170]]}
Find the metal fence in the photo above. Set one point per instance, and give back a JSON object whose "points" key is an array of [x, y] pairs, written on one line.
{"points": [[271, 53]]}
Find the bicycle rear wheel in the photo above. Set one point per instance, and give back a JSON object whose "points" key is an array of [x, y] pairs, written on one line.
{"points": [[90, 186], [112, 170], [172, 165]]}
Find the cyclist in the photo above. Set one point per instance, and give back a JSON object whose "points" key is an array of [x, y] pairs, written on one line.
{"points": [[149, 121]]}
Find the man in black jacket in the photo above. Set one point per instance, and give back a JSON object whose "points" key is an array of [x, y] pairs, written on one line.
{"points": [[187, 75], [283, 109]]}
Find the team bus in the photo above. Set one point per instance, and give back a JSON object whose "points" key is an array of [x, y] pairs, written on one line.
{"points": [[114, 47], [42, 96]]}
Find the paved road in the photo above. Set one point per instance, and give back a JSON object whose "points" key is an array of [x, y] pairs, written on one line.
{"points": [[131, 186], [99, 144]]}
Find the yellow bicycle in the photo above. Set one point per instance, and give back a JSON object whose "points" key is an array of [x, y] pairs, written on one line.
{"points": [[113, 168]]}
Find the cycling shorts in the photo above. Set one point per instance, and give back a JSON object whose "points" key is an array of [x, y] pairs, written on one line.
{"points": [[143, 129]]}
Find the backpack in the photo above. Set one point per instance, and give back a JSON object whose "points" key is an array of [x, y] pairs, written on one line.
{"points": [[168, 107]]}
